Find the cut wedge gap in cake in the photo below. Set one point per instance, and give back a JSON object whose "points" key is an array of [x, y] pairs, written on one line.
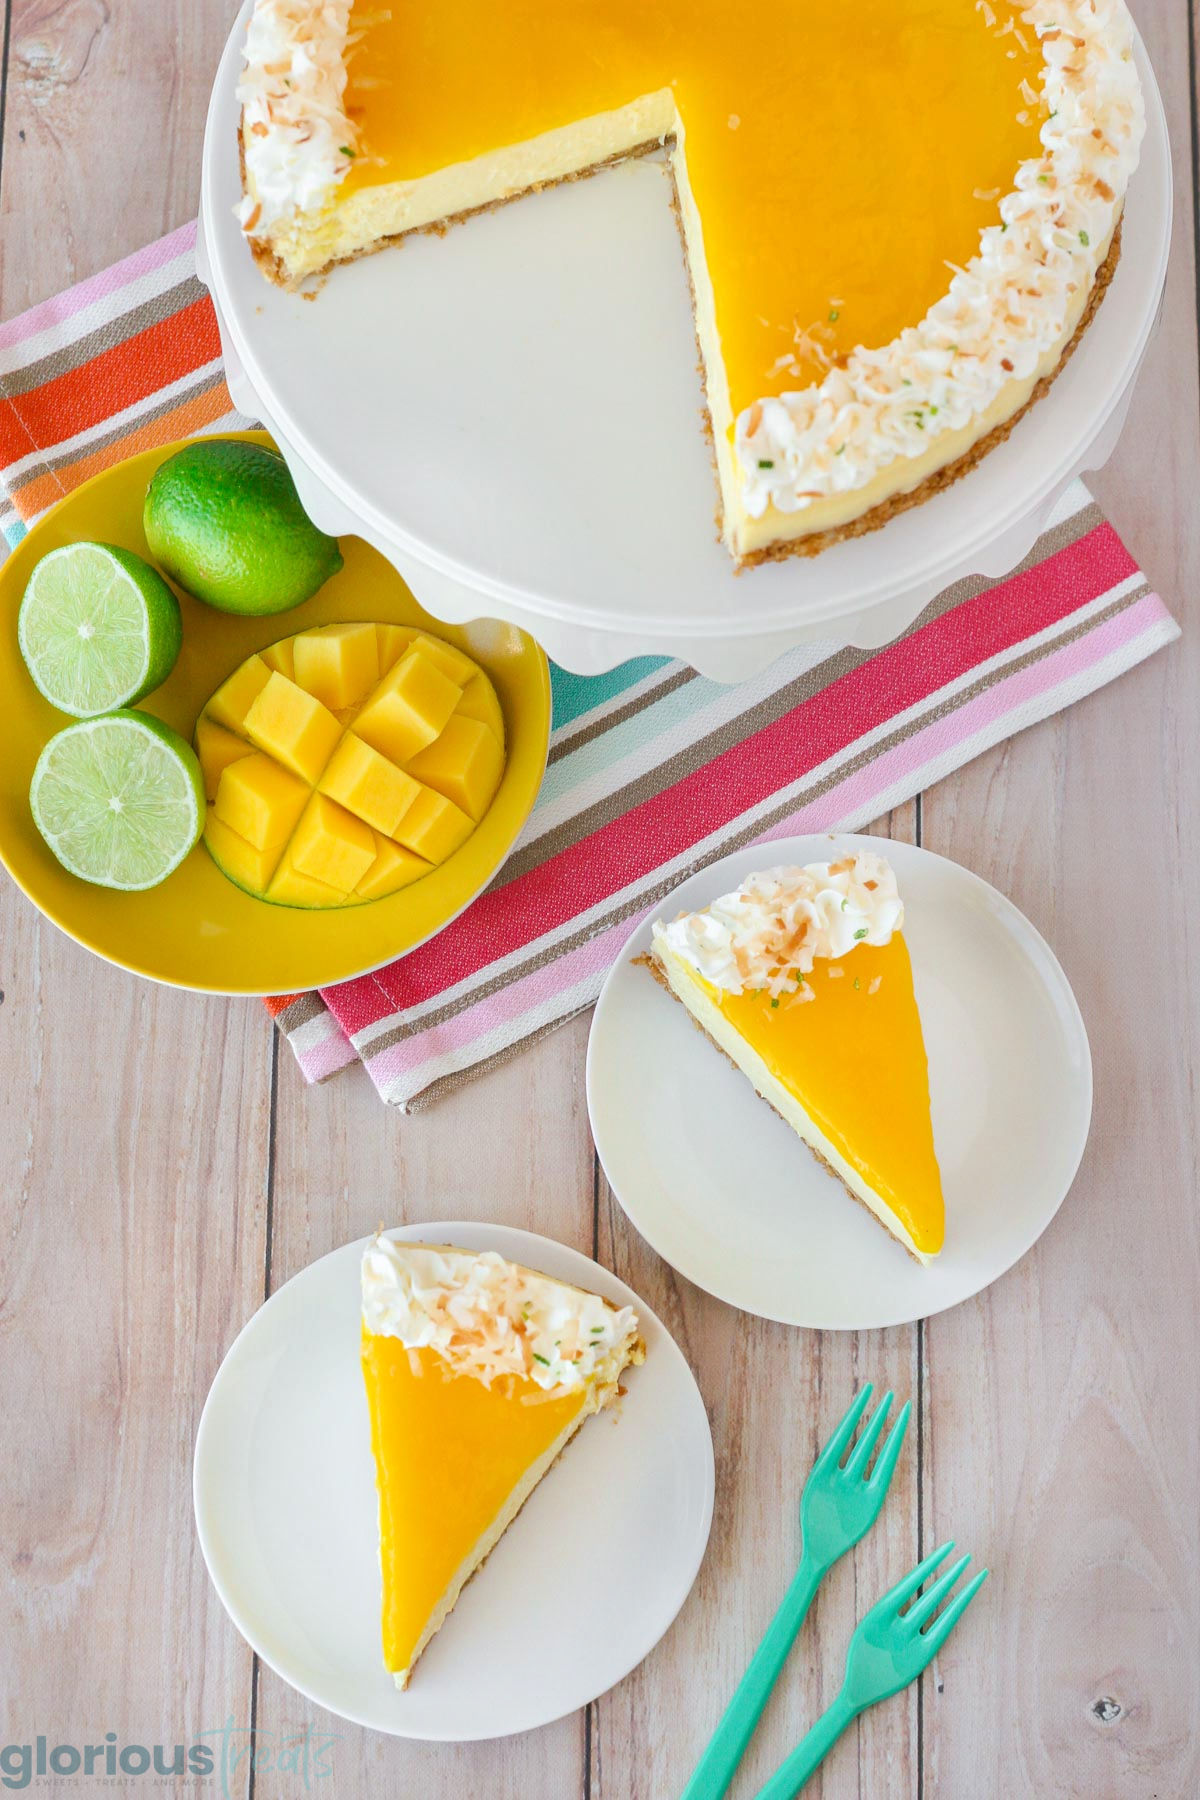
{"points": [[479, 1372], [802, 979], [880, 288]]}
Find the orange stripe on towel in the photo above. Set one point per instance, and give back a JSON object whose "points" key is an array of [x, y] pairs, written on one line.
{"points": [[118, 378], [42, 488]]}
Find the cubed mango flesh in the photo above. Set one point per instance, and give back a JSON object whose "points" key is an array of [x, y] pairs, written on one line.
{"points": [[480, 701], [289, 887], [260, 801], [392, 870], [234, 698], [392, 642], [368, 785], [331, 845], [245, 866], [464, 764], [344, 763], [292, 727], [434, 827], [281, 657], [216, 748], [409, 708], [451, 661], [337, 664]]}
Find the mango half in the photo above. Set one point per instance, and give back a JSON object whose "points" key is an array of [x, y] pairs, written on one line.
{"points": [[344, 763]]}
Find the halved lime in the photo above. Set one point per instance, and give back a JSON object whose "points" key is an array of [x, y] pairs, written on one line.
{"points": [[98, 628], [119, 800]]}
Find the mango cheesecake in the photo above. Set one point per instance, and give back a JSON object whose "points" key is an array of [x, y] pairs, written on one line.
{"points": [[803, 979], [895, 227], [478, 1372]]}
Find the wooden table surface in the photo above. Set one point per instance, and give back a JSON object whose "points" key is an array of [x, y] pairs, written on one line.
{"points": [[163, 1168]]}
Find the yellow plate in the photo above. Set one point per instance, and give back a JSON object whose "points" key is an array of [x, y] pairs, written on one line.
{"points": [[197, 930]]}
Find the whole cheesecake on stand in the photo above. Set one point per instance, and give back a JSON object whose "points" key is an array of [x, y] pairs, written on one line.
{"points": [[894, 234]]}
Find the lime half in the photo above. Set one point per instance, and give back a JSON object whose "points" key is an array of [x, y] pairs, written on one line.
{"points": [[98, 628], [119, 800]]}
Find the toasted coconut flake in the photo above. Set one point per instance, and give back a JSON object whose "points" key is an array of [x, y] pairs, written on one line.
{"points": [[481, 1316], [835, 436]]}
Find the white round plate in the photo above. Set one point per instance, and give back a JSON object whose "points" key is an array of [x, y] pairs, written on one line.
{"points": [[284, 1489], [724, 1191], [445, 368]]}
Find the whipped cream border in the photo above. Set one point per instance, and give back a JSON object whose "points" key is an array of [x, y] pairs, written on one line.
{"points": [[488, 1317], [767, 933], [297, 139], [1003, 313]]}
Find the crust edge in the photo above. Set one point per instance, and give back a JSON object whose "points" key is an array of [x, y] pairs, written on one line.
{"points": [[950, 472]]}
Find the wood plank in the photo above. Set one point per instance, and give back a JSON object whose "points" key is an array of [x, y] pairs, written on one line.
{"points": [[1059, 1450], [104, 124], [132, 1252], [773, 1395], [513, 1147], [136, 1118]]}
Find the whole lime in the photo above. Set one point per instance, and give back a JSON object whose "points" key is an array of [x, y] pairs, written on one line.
{"points": [[223, 518]]}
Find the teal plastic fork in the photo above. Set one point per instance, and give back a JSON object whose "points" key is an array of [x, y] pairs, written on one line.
{"points": [[889, 1649], [838, 1506]]}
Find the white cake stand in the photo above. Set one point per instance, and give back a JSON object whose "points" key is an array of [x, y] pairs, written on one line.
{"points": [[511, 414]]}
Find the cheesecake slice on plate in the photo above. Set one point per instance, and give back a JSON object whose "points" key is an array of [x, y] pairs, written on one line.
{"points": [[802, 978], [478, 1373]]}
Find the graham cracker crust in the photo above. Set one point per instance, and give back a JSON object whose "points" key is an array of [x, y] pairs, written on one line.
{"points": [[654, 967], [814, 542], [273, 268]]}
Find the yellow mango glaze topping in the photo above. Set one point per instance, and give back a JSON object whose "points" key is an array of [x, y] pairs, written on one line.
{"points": [[847, 1043], [477, 1370], [843, 160], [448, 1454], [346, 762]]}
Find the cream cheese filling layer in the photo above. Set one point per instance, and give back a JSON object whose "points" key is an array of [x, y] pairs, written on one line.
{"points": [[690, 992], [306, 243]]}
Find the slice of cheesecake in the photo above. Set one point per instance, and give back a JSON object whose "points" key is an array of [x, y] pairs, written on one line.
{"points": [[802, 977], [479, 1373]]}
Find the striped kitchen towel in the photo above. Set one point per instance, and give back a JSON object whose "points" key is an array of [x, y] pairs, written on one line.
{"points": [[654, 770]]}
